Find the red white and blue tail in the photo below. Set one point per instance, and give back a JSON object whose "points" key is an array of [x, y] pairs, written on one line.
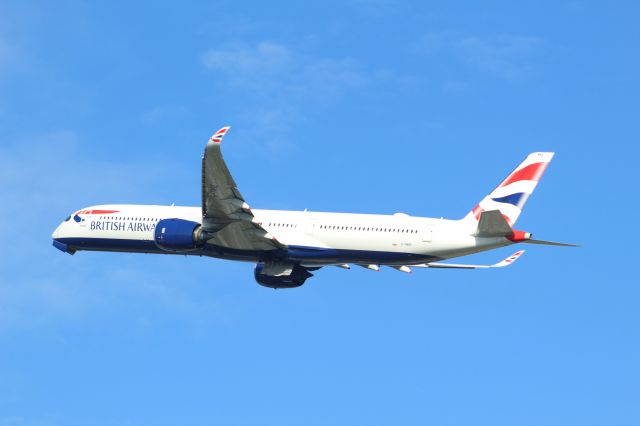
{"points": [[511, 195]]}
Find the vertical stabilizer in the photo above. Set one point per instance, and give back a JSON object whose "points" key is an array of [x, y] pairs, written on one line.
{"points": [[511, 195]]}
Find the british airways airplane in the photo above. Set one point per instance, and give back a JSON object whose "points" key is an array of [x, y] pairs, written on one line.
{"points": [[288, 245]]}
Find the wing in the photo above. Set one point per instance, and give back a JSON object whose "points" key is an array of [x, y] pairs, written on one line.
{"points": [[506, 262], [407, 269], [227, 219]]}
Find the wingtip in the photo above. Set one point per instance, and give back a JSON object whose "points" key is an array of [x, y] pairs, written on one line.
{"points": [[509, 260], [542, 156], [219, 135]]}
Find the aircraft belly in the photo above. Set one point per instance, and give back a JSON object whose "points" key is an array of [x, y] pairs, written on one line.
{"points": [[333, 255], [111, 244]]}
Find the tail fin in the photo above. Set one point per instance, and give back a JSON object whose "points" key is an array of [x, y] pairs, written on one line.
{"points": [[511, 195]]}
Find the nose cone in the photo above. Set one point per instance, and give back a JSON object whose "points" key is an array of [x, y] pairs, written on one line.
{"points": [[56, 232], [58, 241]]}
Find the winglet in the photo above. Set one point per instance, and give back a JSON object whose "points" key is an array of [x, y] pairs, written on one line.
{"points": [[506, 262], [509, 260], [217, 136]]}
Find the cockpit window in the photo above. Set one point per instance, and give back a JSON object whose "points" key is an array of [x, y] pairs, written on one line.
{"points": [[67, 219]]}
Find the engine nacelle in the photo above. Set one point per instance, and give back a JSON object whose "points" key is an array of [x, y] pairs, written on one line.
{"points": [[296, 277], [177, 235]]}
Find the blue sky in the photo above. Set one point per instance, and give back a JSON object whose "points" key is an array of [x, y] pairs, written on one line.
{"points": [[368, 106]]}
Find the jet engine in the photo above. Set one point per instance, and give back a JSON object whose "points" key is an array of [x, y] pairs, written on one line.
{"points": [[178, 235], [280, 275]]}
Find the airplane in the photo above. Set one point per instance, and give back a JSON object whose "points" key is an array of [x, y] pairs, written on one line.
{"points": [[287, 246]]}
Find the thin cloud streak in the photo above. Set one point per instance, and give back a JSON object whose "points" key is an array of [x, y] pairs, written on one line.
{"points": [[278, 80], [509, 57], [275, 71], [50, 173], [164, 113], [6, 53]]}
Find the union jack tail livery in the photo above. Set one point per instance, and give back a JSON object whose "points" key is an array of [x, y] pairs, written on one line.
{"points": [[511, 195]]}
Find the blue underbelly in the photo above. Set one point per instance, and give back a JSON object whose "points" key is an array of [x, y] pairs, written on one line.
{"points": [[307, 255], [330, 255]]}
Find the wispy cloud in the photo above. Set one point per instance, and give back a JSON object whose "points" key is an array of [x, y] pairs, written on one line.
{"points": [[38, 171], [17, 421], [278, 81], [42, 179], [375, 7], [35, 299], [164, 293], [274, 70], [505, 56], [6, 52], [163, 113], [264, 57], [57, 294]]}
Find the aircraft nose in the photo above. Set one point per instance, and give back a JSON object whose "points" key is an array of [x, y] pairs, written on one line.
{"points": [[56, 232], [58, 241]]}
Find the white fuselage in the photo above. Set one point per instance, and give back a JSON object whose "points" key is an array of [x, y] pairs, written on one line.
{"points": [[312, 238]]}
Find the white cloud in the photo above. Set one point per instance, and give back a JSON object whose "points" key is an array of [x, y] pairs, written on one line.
{"points": [[54, 293], [454, 86], [33, 300], [42, 179], [238, 58], [57, 169], [280, 81], [506, 56], [275, 71], [266, 128], [163, 113], [15, 421], [6, 53], [376, 8], [435, 42]]}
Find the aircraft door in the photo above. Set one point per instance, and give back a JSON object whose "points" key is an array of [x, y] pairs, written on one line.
{"points": [[310, 226], [427, 234]]}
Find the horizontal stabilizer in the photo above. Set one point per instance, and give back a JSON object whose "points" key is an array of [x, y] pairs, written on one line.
{"points": [[493, 224], [506, 262], [549, 243]]}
